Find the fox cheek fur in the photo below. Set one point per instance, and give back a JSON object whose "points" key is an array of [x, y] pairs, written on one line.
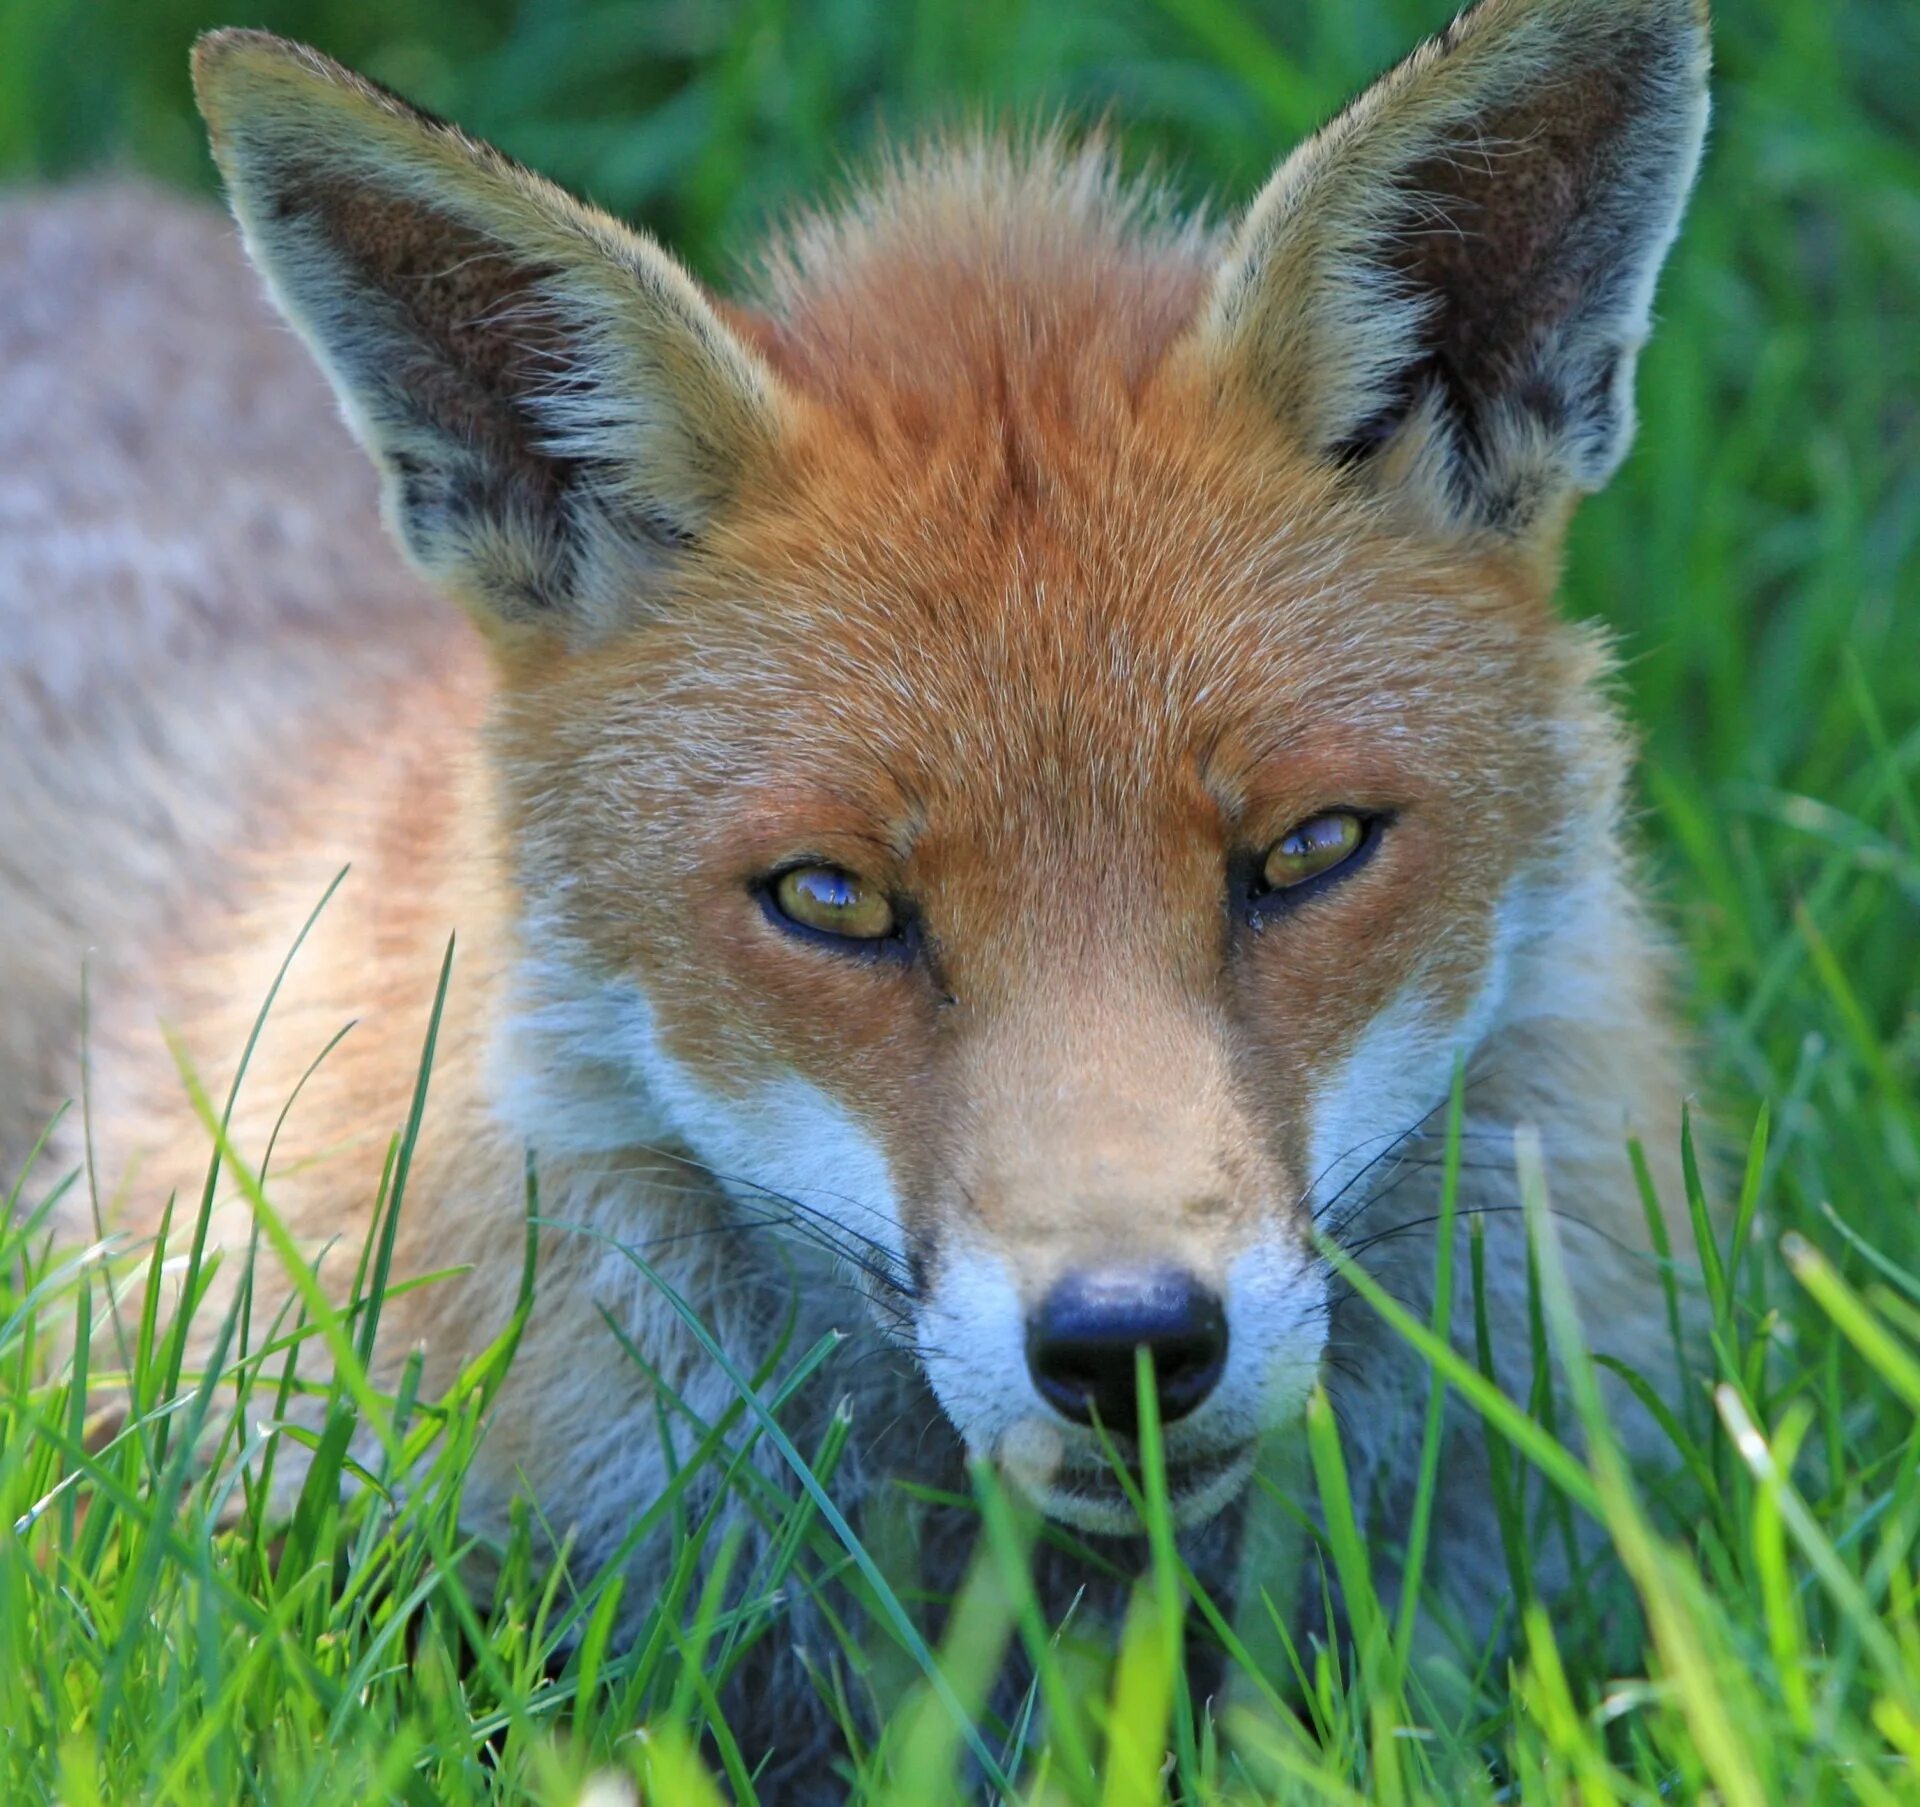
{"points": [[1033, 562]]}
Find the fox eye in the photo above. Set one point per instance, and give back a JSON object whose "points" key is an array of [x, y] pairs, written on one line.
{"points": [[832, 902], [1315, 847]]}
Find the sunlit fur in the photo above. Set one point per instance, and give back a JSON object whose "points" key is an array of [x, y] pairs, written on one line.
{"points": [[1026, 549]]}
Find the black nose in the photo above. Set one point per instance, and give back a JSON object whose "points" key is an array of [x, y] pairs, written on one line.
{"points": [[1080, 1344]]}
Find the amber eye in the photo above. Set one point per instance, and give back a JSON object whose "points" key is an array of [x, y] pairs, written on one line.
{"points": [[1318, 845], [832, 902]]}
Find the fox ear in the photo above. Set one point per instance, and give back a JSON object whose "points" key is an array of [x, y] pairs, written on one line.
{"points": [[555, 408], [1445, 289]]}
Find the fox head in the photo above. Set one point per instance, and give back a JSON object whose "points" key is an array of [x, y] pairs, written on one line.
{"points": [[1039, 739]]}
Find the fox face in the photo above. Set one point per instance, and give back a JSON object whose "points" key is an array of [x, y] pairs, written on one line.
{"points": [[1039, 742], [954, 898]]}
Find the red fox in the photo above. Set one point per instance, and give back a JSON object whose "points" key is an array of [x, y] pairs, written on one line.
{"points": [[998, 776]]}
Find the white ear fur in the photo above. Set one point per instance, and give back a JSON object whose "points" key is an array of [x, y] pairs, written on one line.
{"points": [[1447, 286], [555, 407]]}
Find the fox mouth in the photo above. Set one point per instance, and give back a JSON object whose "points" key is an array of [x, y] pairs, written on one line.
{"points": [[1090, 1497]]}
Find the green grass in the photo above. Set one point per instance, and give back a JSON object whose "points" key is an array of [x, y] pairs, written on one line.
{"points": [[1760, 559]]}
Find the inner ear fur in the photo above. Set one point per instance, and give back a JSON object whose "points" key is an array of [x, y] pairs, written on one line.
{"points": [[556, 409], [1444, 291]]}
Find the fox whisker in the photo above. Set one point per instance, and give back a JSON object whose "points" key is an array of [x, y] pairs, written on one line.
{"points": [[865, 1253]]}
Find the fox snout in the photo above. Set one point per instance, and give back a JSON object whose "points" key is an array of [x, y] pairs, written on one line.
{"points": [[1143, 1213]]}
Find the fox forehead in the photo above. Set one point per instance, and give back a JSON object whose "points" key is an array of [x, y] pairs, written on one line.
{"points": [[1040, 628], [1017, 564]]}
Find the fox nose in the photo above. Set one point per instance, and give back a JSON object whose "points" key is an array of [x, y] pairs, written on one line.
{"points": [[1081, 1343]]}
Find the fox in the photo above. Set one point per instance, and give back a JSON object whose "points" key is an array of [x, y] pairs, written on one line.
{"points": [[987, 788]]}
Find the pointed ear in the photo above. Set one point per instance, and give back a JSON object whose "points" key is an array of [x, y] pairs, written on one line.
{"points": [[556, 410], [1446, 288]]}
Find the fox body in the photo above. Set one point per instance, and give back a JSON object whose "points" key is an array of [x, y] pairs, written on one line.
{"points": [[996, 780]]}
